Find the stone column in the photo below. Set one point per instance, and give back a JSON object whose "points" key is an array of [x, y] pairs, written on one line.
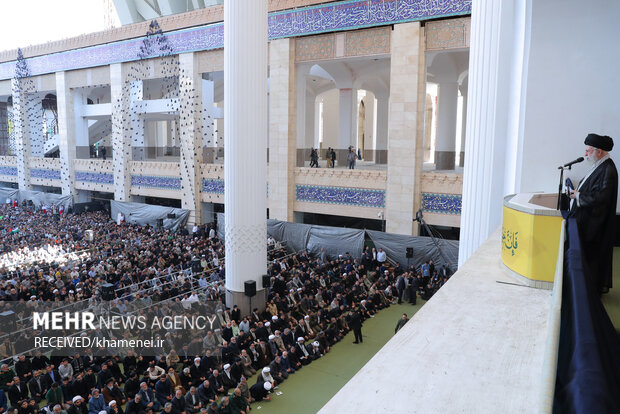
{"points": [[21, 129], [463, 89], [137, 128], [35, 123], [121, 139], [383, 111], [245, 145], [190, 127], [346, 107], [304, 143], [402, 142], [66, 134], [446, 125], [282, 128]]}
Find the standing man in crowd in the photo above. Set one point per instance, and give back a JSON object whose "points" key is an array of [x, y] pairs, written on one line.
{"points": [[401, 322], [355, 323], [593, 204]]}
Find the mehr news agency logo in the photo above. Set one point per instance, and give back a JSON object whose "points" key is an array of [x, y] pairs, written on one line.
{"points": [[88, 321]]}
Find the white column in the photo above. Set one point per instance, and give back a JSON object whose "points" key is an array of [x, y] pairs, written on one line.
{"points": [[304, 143], [121, 141], [383, 111], [22, 131], [245, 145], [463, 89], [309, 120], [35, 123], [493, 118], [138, 130], [346, 102], [66, 134], [80, 124], [190, 128], [446, 125]]}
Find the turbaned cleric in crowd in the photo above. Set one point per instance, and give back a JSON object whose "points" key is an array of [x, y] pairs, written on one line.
{"points": [[593, 204]]}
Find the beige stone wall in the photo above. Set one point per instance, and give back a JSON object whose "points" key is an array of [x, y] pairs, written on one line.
{"points": [[282, 128], [158, 169], [46, 164], [402, 127], [8, 161]]}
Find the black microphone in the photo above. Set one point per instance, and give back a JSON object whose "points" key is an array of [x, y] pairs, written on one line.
{"points": [[577, 161]]}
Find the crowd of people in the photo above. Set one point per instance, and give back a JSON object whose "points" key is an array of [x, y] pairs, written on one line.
{"points": [[312, 303]]}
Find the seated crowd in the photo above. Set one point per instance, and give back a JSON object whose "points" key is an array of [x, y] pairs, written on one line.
{"points": [[155, 272]]}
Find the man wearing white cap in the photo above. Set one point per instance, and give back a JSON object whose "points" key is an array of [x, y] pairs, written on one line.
{"points": [[265, 376], [227, 379], [78, 406], [260, 391], [302, 352]]}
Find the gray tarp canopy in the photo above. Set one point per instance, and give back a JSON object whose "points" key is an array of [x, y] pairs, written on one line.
{"points": [[143, 214], [424, 248], [38, 197], [335, 240]]}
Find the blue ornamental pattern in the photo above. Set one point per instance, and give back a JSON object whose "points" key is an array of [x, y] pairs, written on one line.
{"points": [[358, 197], [441, 203], [344, 15], [164, 183], [4, 170], [45, 173], [94, 177], [212, 186]]}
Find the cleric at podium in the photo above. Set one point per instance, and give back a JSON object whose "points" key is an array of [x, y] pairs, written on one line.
{"points": [[593, 204]]}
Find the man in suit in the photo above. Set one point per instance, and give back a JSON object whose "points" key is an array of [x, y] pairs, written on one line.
{"points": [[355, 322], [17, 392], [147, 398], [192, 401], [593, 204], [37, 386], [178, 403]]}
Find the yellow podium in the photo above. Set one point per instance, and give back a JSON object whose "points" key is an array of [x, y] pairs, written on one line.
{"points": [[530, 237]]}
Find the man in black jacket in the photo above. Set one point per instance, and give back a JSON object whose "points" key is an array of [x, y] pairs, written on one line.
{"points": [[593, 204], [17, 392]]}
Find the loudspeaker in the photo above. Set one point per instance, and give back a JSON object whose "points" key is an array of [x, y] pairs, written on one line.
{"points": [[8, 321], [250, 288], [266, 281], [160, 223], [196, 266], [409, 252], [107, 291], [172, 216]]}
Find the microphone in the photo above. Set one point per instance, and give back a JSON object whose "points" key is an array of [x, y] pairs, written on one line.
{"points": [[577, 161]]}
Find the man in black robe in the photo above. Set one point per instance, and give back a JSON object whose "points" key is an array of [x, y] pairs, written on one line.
{"points": [[593, 204]]}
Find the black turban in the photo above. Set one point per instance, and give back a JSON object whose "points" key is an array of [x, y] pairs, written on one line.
{"points": [[599, 141]]}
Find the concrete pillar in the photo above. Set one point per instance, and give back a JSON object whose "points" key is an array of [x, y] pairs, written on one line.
{"points": [[402, 129], [311, 138], [383, 111], [80, 124], [21, 128], [245, 145], [463, 89], [35, 123], [190, 129], [493, 105], [446, 126], [137, 127], [347, 117], [66, 134], [282, 128], [304, 143], [121, 140]]}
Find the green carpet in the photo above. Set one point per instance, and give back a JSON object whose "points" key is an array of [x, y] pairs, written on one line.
{"points": [[309, 389], [611, 301]]}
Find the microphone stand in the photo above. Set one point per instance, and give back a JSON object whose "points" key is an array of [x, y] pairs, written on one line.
{"points": [[561, 168]]}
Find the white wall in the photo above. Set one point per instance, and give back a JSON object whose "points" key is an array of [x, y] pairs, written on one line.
{"points": [[571, 89]]}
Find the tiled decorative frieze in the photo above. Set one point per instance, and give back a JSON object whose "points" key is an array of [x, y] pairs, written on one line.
{"points": [[339, 16], [368, 42], [210, 185], [149, 181], [45, 174], [359, 197], [5, 170], [94, 177], [319, 47], [448, 34], [441, 203]]}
